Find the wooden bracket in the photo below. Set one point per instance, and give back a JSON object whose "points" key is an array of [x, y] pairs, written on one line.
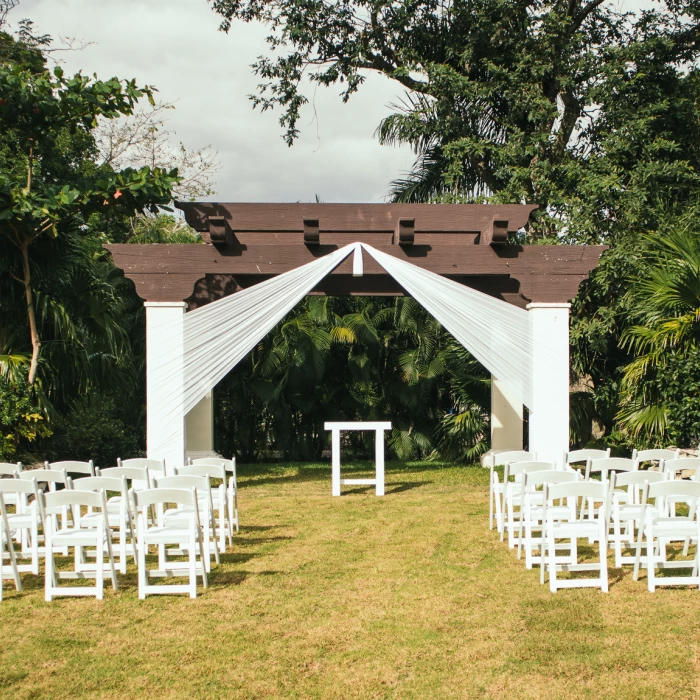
{"points": [[495, 232], [405, 232], [220, 233], [312, 235]]}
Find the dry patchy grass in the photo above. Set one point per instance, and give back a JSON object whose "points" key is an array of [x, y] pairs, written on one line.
{"points": [[405, 596]]}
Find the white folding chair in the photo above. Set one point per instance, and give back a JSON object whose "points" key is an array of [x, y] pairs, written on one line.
{"points": [[12, 470], [26, 519], [510, 498], [79, 537], [532, 510], [604, 467], [659, 528], [214, 471], [138, 479], [119, 513], [205, 505], [232, 486], [52, 478], [594, 528], [492, 461], [11, 570], [176, 531], [625, 509], [72, 467]]}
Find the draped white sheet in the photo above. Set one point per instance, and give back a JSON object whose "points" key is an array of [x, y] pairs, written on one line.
{"points": [[205, 344]]}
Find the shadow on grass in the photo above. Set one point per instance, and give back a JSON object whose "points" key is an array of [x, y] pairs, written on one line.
{"points": [[391, 489]]}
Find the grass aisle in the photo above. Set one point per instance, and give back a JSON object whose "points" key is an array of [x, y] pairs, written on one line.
{"points": [[407, 596]]}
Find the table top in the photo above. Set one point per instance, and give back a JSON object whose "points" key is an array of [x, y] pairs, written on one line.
{"points": [[357, 425]]}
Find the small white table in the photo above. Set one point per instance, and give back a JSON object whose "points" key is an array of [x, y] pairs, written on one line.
{"points": [[379, 427]]}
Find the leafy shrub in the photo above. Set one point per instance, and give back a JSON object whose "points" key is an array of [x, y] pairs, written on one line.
{"points": [[22, 420]]}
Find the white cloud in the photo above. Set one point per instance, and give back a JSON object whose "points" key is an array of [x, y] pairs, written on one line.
{"points": [[176, 46]]}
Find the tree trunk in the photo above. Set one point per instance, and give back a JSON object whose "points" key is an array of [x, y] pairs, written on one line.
{"points": [[33, 331]]}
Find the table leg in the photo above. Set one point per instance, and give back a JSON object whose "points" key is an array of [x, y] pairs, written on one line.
{"points": [[335, 462], [379, 460]]}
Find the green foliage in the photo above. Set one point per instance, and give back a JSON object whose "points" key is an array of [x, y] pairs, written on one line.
{"points": [[100, 428], [22, 420], [363, 359], [658, 384]]}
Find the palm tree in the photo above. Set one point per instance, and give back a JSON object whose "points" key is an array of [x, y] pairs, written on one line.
{"points": [[667, 300]]}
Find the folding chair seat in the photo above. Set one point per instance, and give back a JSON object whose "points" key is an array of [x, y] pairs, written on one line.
{"points": [[594, 528], [659, 528], [184, 529], [26, 520], [492, 461], [511, 494], [532, 511], [625, 509], [220, 499], [97, 535], [138, 479], [73, 467], [10, 570], [205, 508], [119, 514], [231, 489]]}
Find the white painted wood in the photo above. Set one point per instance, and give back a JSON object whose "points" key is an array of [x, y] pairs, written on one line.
{"points": [[378, 427], [506, 418], [165, 434], [549, 419], [199, 429]]}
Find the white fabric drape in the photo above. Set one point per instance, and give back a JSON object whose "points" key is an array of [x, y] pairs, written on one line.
{"points": [[208, 342]]}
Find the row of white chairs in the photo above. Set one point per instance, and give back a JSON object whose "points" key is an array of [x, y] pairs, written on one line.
{"points": [[561, 502], [82, 516]]}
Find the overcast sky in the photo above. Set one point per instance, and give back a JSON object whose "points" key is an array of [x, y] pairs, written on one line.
{"points": [[176, 46]]}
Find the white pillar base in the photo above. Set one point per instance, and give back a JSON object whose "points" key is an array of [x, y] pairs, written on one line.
{"points": [[165, 438], [549, 417], [199, 429], [506, 419]]}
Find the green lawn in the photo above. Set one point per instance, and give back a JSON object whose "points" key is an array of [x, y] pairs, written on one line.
{"points": [[405, 596]]}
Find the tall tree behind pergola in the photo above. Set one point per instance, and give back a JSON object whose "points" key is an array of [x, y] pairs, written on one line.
{"points": [[468, 243]]}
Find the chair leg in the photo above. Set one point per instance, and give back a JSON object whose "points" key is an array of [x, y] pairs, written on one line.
{"points": [[49, 579], [552, 563], [141, 553], [603, 548], [110, 554], [193, 565], [100, 563]]}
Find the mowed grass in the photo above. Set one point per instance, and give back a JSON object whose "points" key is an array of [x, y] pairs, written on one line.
{"points": [[406, 596]]}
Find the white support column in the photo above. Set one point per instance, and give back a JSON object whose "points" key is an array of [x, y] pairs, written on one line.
{"points": [[506, 418], [549, 419], [199, 428], [165, 438]]}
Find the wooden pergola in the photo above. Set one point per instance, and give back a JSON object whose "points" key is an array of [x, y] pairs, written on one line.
{"points": [[244, 244]]}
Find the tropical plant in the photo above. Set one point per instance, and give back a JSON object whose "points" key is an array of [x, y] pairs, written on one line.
{"points": [[665, 341]]}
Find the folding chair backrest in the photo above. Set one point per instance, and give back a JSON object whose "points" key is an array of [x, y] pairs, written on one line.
{"points": [[516, 468], [551, 476], [183, 482], [149, 497], [662, 489], [619, 480], [73, 467], [9, 469], [70, 497], [655, 455], [27, 486], [676, 466], [596, 490], [213, 471], [577, 456], [608, 464], [502, 458], [101, 483], [138, 476], [50, 476], [154, 466]]}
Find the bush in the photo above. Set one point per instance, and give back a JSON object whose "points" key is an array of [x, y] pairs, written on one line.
{"points": [[22, 421]]}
